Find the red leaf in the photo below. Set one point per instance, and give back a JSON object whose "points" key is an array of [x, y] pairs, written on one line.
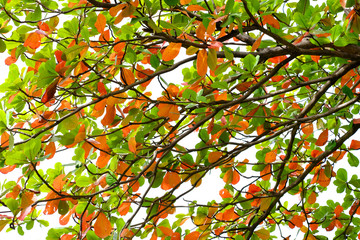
{"points": [[49, 92], [171, 51], [201, 62], [323, 138], [102, 226]]}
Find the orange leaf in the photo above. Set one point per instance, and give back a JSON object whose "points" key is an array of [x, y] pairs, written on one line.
{"points": [[214, 156], [298, 220], [64, 219], [266, 173], [201, 62], [132, 144], [124, 208], [168, 110], [242, 125], [195, 8], [323, 138], [27, 199], [100, 23], [109, 116], [59, 182], [312, 198], [171, 179], [7, 169], [101, 88], [224, 193], [263, 234], [343, 3], [10, 60], [315, 58], [127, 76], [323, 180], [269, 19], [184, 2], [200, 31], [192, 236], [114, 10], [166, 231], [270, 157], [256, 43], [231, 176], [355, 144], [211, 27], [67, 236], [50, 149], [102, 226], [171, 51], [338, 210], [5, 139], [50, 92], [102, 160], [307, 128], [33, 40], [315, 153]]}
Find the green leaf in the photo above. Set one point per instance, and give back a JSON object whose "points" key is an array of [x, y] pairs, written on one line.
{"points": [[63, 207], [250, 61], [32, 148], [341, 174], [110, 179], [229, 6], [154, 61], [2, 46], [12, 204], [353, 160], [72, 52], [212, 59], [348, 92], [302, 6], [30, 225], [83, 181], [172, 2]]}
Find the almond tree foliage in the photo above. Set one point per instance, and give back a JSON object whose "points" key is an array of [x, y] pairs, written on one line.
{"points": [[277, 77]]}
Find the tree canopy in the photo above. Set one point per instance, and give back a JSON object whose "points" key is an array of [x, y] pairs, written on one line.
{"points": [[148, 97]]}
